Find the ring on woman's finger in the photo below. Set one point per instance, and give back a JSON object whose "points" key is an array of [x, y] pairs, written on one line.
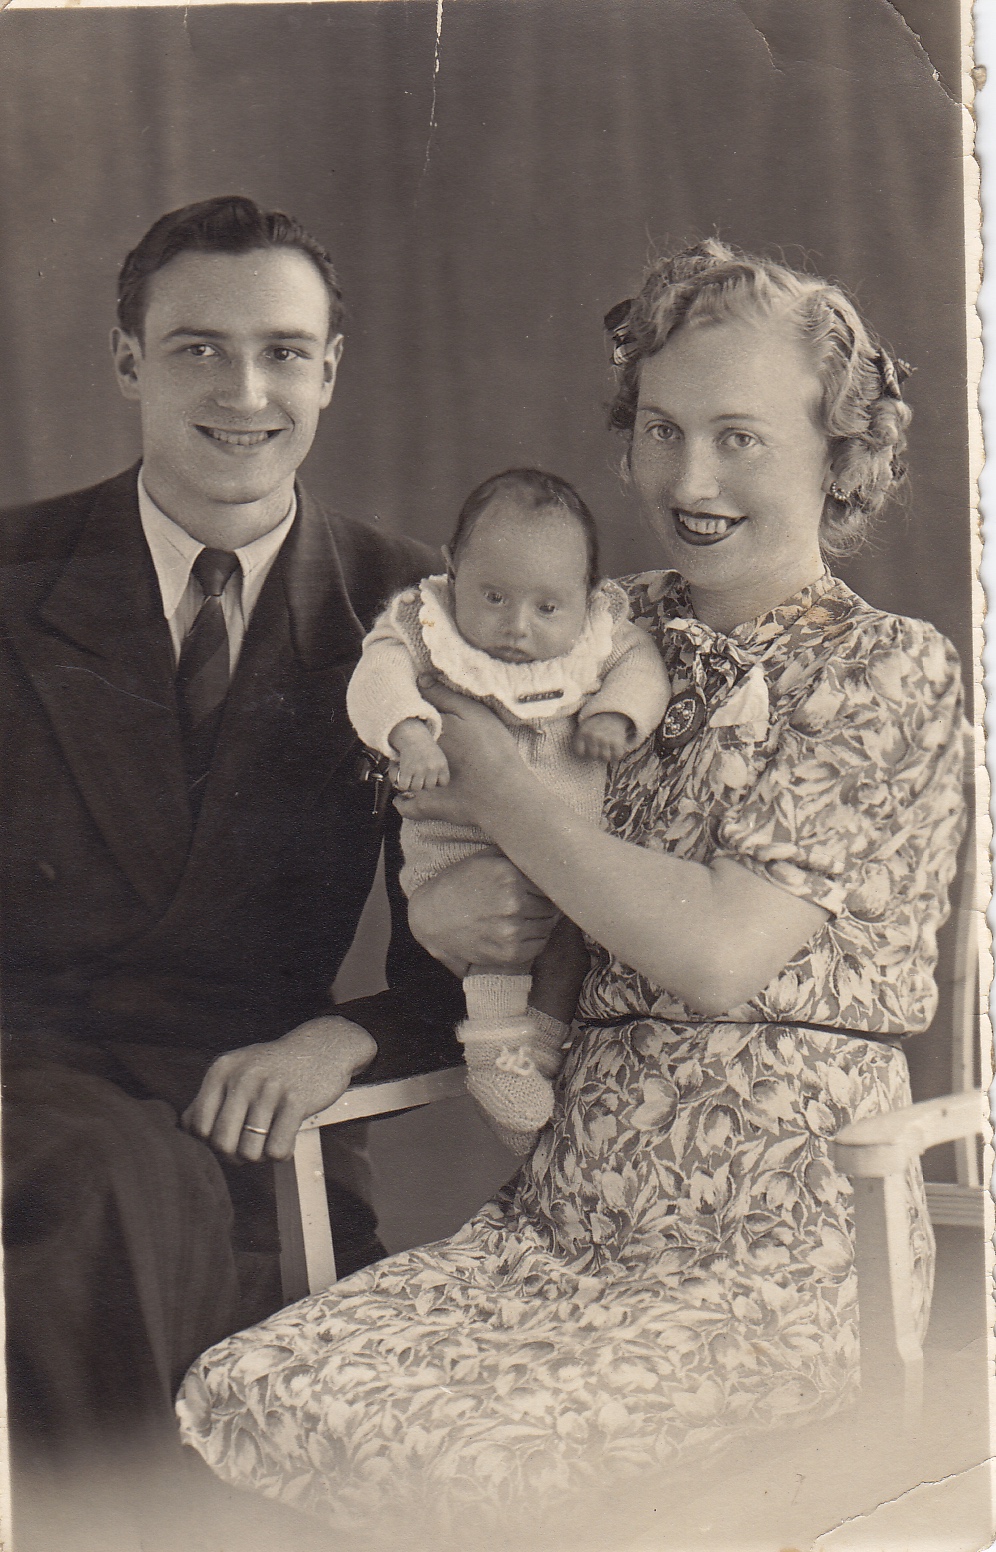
{"points": [[261, 1131]]}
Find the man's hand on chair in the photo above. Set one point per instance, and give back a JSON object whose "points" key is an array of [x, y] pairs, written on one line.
{"points": [[252, 1101]]}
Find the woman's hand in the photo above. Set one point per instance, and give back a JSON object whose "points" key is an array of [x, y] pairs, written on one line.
{"points": [[479, 750], [481, 911]]}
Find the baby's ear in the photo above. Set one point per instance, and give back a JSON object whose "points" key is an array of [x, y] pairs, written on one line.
{"points": [[448, 558]]}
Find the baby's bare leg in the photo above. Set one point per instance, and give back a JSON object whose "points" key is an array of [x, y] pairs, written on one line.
{"points": [[559, 970]]}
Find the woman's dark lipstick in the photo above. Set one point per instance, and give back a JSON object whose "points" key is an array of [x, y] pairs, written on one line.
{"points": [[702, 527]]}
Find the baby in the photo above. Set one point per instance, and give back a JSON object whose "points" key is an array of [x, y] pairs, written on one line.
{"points": [[521, 622]]}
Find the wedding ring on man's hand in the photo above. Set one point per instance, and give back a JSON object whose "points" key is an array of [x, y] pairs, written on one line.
{"points": [[261, 1131]]}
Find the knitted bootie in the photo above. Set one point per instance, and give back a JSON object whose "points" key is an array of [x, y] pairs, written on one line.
{"points": [[494, 998], [548, 1043], [504, 1079]]}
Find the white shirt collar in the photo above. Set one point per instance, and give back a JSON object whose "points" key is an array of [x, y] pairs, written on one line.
{"points": [[257, 558], [174, 552]]}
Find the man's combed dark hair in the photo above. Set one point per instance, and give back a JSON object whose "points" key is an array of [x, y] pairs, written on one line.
{"points": [[229, 223], [535, 490]]}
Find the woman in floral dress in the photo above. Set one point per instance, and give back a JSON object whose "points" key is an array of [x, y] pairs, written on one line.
{"points": [[673, 1267]]}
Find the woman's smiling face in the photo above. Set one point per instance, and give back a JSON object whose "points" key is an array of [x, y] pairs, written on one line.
{"points": [[731, 465]]}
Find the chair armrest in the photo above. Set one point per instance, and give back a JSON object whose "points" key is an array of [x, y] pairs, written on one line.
{"points": [[876, 1153], [884, 1144], [307, 1255], [375, 1099]]}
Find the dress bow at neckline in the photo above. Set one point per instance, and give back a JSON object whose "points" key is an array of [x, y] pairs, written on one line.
{"points": [[711, 664]]}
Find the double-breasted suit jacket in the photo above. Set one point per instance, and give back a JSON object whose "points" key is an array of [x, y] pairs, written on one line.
{"points": [[120, 921], [137, 947]]}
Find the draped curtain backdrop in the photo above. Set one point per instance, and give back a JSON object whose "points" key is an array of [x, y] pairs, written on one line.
{"points": [[488, 189]]}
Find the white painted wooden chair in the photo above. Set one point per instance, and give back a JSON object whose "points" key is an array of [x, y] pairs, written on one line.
{"points": [[307, 1255], [875, 1154]]}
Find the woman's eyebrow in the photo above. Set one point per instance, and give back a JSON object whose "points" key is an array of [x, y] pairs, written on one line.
{"points": [[724, 415]]}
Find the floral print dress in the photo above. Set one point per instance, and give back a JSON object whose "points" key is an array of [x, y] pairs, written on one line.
{"points": [[673, 1267]]}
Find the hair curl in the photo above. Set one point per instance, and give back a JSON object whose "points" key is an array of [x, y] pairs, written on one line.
{"points": [[229, 223], [861, 409]]}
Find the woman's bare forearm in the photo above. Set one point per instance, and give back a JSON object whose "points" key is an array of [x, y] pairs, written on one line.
{"points": [[713, 935]]}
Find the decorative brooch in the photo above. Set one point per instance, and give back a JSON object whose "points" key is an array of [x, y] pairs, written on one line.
{"points": [[682, 720]]}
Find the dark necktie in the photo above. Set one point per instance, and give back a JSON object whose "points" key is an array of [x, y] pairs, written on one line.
{"points": [[203, 672]]}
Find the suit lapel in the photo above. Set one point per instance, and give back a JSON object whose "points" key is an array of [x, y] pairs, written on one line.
{"points": [[96, 649], [98, 652], [284, 732]]}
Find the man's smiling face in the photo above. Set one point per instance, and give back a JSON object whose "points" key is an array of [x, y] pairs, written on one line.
{"points": [[233, 369]]}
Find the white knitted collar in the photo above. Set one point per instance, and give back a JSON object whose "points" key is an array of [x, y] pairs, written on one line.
{"points": [[556, 687]]}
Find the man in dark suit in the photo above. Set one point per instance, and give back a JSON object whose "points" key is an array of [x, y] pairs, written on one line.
{"points": [[187, 846]]}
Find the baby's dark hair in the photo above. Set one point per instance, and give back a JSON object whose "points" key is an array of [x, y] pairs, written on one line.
{"points": [[535, 489]]}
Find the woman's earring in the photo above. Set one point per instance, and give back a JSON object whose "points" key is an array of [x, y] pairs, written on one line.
{"points": [[836, 494]]}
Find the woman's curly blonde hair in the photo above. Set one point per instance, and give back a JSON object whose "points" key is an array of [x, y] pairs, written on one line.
{"points": [[862, 409]]}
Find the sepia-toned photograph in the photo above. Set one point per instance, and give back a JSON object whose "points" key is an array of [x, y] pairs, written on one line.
{"points": [[494, 810]]}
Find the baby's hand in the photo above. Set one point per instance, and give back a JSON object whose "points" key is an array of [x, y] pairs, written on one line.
{"points": [[605, 736], [421, 762]]}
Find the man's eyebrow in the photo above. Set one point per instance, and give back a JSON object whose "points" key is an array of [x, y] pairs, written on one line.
{"points": [[303, 336]]}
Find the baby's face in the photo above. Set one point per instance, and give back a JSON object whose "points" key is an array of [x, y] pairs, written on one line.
{"points": [[521, 587]]}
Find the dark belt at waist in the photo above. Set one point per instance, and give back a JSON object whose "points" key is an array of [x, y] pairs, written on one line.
{"points": [[827, 1029]]}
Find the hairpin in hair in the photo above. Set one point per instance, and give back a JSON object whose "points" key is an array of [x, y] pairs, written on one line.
{"points": [[893, 373], [836, 494], [616, 320]]}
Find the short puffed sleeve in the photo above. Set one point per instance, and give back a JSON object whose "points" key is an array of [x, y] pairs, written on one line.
{"points": [[860, 799]]}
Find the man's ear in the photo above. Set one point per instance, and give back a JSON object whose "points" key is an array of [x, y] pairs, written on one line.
{"points": [[127, 353], [333, 355]]}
